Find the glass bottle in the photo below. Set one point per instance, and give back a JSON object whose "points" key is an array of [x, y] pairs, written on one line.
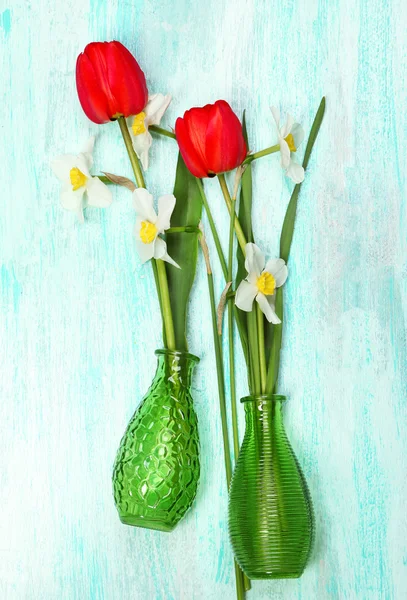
{"points": [[156, 472], [271, 523]]}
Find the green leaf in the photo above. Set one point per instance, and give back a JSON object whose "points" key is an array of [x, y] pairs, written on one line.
{"points": [[285, 247], [183, 248], [245, 211], [289, 220]]}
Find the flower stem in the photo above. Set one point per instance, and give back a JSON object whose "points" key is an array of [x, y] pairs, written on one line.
{"points": [[223, 264], [231, 340], [238, 228], [138, 174], [265, 152], [162, 131], [214, 232], [166, 305], [239, 576], [262, 351], [160, 274]]}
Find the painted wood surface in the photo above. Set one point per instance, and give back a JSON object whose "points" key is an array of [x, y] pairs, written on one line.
{"points": [[79, 318]]}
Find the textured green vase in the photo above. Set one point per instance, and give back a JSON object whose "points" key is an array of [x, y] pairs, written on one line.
{"points": [[156, 472], [270, 510]]}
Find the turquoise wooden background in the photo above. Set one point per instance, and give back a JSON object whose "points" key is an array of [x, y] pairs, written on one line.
{"points": [[79, 318]]}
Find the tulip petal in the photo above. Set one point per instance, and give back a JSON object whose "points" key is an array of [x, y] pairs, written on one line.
{"points": [[278, 269], [90, 91], [225, 148], [254, 263], [143, 204], [166, 206], [98, 193], [126, 80], [245, 294], [193, 160]]}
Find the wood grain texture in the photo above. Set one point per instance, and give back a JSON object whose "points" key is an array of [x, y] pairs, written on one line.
{"points": [[79, 317]]}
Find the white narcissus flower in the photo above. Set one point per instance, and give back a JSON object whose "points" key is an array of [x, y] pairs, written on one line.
{"points": [[149, 225], [261, 283], [138, 126], [290, 136], [80, 189]]}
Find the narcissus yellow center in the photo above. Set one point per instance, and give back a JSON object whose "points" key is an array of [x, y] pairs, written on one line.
{"points": [[290, 141], [78, 179], [138, 124], [148, 231], [266, 284]]}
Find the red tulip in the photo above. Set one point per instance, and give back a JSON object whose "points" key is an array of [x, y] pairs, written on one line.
{"points": [[110, 82], [210, 139]]}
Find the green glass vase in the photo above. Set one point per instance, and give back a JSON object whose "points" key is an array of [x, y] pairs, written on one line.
{"points": [[156, 472], [271, 523]]}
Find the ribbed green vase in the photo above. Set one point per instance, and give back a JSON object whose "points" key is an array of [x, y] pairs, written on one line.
{"points": [[271, 523], [156, 472]]}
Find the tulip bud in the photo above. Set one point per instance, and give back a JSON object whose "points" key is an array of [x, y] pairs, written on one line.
{"points": [[110, 82], [211, 139]]}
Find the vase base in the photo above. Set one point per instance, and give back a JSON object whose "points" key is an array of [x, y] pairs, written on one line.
{"points": [[275, 575], [146, 523]]}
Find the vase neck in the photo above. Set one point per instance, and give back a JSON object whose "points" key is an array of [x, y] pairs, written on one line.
{"points": [[176, 367], [263, 407]]}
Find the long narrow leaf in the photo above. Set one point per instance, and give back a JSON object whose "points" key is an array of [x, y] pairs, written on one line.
{"points": [[183, 248]]}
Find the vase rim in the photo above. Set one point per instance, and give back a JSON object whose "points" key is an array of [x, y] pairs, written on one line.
{"points": [[177, 354], [264, 398]]}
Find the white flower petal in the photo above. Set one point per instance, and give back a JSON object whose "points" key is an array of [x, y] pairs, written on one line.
{"points": [[276, 115], [143, 204], [145, 251], [160, 252], [267, 309], [166, 206], [73, 201], [285, 153], [89, 145], [156, 106], [98, 193], [62, 166], [298, 134], [141, 145], [295, 172], [255, 260], [278, 269], [245, 294], [286, 129]]}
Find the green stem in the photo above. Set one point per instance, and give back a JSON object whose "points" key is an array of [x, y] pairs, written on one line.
{"points": [[162, 131], [238, 228], [213, 229], [138, 174], [262, 351], [285, 247], [242, 334], [105, 179], [231, 340], [239, 576], [160, 273], [252, 331], [166, 305], [265, 152], [157, 284]]}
